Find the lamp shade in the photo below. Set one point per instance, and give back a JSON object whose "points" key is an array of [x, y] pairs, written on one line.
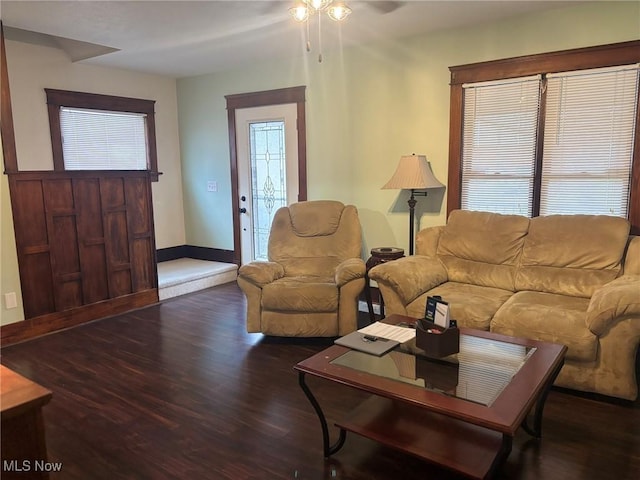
{"points": [[413, 172]]}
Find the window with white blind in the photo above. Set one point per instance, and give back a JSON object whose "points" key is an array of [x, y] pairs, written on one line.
{"points": [[103, 140], [102, 132], [499, 145], [583, 163], [588, 141]]}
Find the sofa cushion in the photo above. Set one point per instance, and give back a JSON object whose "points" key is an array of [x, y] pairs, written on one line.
{"points": [[301, 294], [482, 248], [472, 306], [550, 318], [572, 254]]}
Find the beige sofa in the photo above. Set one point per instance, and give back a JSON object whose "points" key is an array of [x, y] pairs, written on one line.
{"points": [[569, 279]]}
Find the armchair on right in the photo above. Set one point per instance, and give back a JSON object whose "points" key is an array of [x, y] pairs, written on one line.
{"points": [[569, 279]]}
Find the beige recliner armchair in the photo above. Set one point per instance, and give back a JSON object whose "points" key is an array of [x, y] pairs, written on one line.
{"points": [[315, 273]]}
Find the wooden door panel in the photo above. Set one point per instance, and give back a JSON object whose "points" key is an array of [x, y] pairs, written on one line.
{"points": [[67, 276], [112, 193], [143, 273], [87, 191], [37, 291], [120, 282], [83, 238], [95, 284], [137, 195], [117, 238], [28, 211], [58, 195], [91, 244]]}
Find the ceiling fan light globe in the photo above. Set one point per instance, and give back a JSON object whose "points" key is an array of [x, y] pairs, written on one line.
{"points": [[339, 11], [318, 4], [299, 12]]}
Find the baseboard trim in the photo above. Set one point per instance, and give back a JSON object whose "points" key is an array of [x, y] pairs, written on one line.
{"points": [[171, 253], [53, 322], [192, 251]]}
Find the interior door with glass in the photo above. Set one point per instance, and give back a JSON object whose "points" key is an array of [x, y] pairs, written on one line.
{"points": [[267, 152]]}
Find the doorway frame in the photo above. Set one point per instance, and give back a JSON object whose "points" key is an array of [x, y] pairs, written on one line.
{"points": [[260, 99]]}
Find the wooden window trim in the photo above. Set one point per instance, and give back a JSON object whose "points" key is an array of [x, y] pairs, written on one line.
{"points": [[64, 98], [6, 114], [561, 61]]}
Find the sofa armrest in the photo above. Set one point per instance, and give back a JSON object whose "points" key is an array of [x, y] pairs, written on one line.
{"points": [[410, 277], [261, 273], [620, 297], [348, 270]]}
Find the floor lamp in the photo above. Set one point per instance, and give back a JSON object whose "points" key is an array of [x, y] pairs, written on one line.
{"points": [[413, 172]]}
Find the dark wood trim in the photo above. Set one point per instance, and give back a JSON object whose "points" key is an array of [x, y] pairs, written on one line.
{"points": [[266, 97], [634, 194], [52, 322], [302, 151], [192, 251], [64, 98], [6, 113], [623, 53], [210, 254], [454, 176], [199, 253], [537, 171], [259, 99], [57, 175], [235, 201], [171, 253]]}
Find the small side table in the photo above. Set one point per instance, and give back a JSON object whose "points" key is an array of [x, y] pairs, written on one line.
{"points": [[379, 255]]}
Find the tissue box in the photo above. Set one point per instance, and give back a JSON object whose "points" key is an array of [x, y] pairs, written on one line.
{"points": [[434, 344]]}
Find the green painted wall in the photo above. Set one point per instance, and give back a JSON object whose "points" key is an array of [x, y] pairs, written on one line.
{"points": [[365, 108]]}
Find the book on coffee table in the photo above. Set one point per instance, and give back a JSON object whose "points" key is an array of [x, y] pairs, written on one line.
{"points": [[367, 343]]}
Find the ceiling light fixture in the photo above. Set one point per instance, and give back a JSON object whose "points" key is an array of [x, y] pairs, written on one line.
{"points": [[303, 10]]}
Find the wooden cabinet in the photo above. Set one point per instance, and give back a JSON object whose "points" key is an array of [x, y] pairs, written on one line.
{"points": [[24, 450]]}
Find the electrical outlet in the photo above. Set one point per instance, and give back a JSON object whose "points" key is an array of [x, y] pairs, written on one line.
{"points": [[10, 300], [212, 186]]}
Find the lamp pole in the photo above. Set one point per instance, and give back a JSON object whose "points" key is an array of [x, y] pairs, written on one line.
{"points": [[412, 216]]}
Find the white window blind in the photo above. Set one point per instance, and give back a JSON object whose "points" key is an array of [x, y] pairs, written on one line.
{"points": [[499, 144], [588, 141], [103, 140]]}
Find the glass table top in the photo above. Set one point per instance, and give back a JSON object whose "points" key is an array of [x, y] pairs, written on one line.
{"points": [[478, 373]]}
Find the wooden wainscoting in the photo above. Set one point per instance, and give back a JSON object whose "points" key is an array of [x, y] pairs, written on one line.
{"points": [[84, 240]]}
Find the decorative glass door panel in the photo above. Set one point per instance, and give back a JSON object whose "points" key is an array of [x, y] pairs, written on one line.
{"points": [[268, 179]]}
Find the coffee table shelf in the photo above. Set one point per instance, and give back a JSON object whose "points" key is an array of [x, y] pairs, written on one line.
{"points": [[464, 448]]}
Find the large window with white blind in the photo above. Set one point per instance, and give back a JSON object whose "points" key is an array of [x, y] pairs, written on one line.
{"points": [[101, 132], [586, 149], [553, 138]]}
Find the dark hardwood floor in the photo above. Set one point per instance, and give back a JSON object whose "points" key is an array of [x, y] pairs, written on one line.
{"points": [[181, 391]]}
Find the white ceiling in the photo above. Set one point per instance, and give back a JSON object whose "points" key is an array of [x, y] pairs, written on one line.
{"points": [[185, 38]]}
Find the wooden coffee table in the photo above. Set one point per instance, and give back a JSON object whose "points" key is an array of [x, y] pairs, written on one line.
{"points": [[461, 412]]}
